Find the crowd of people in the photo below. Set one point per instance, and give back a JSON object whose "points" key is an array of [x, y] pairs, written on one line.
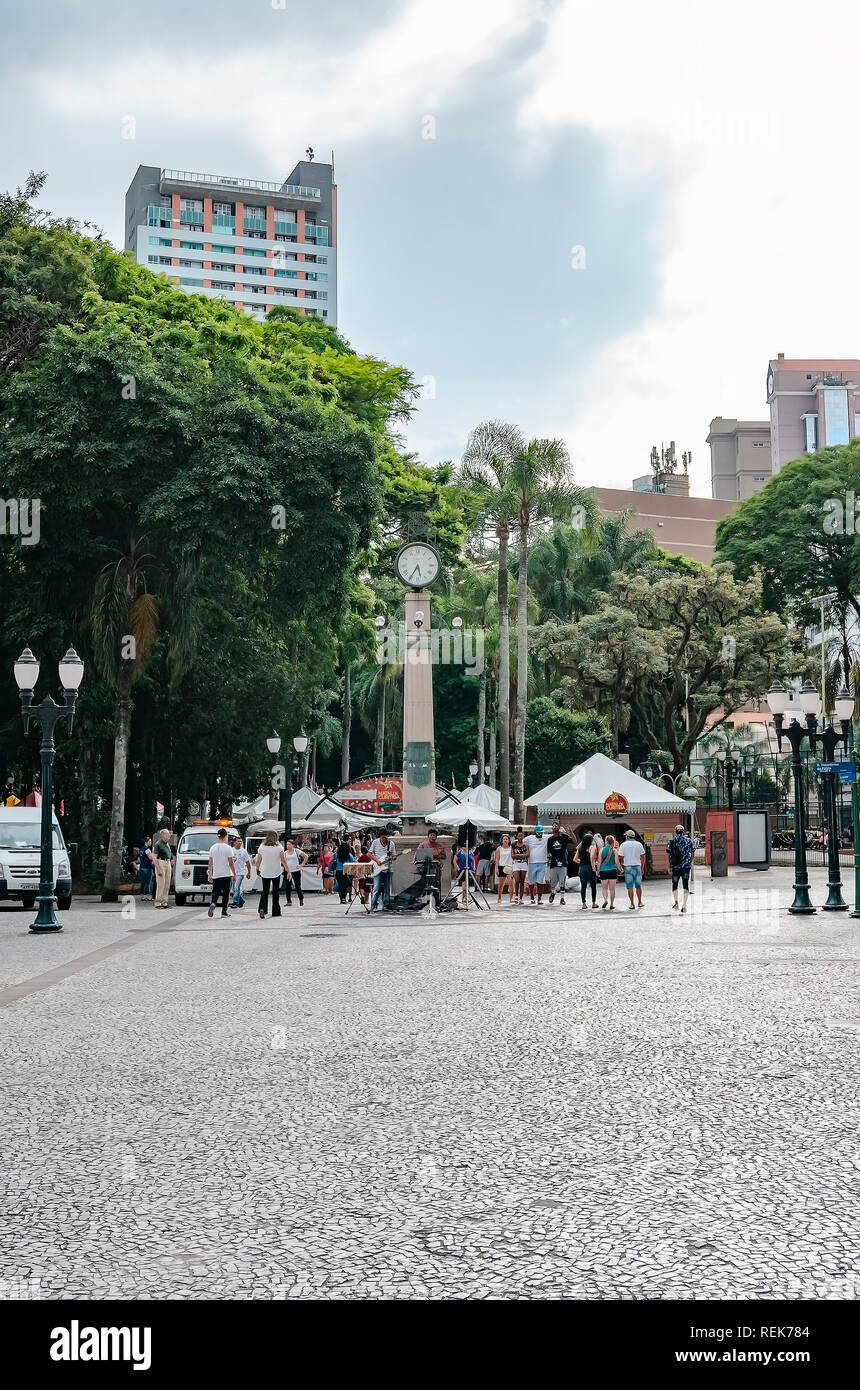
{"points": [[526, 865], [523, 866]]}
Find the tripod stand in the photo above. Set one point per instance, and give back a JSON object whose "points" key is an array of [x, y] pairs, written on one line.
{"points": [[474, 892]]}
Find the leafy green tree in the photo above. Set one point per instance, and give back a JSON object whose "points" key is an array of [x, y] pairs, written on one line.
{"points": [[557, 740], [652, 638]]}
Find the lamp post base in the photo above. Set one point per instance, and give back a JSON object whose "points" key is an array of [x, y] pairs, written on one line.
{"points": [[46, 917], [802, 903]]}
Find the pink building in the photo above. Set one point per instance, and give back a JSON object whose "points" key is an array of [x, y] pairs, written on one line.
{"points": [[814, 404]]}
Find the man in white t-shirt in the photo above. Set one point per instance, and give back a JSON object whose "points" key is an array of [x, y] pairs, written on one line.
{"points": [[221, 873], [382, 853], [631, 855], [536, 874]]}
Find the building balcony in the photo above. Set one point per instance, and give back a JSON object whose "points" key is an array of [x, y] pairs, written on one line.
{"points": [[227, 181], [286, 229], [316, 233], [192, 216], [254, 224], [224, 221], [157, 216]]}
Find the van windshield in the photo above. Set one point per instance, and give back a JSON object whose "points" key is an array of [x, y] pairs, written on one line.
{"points": [[25, 834], [199, 843]]}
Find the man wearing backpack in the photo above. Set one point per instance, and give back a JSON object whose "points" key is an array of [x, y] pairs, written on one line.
{"points": [[680, 851]]}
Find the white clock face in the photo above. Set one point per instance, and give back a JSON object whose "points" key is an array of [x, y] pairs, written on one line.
{"points": [[417, 565]]}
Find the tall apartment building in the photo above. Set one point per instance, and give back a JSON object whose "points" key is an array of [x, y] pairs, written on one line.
{"points": [[813, 404], [252, 243], [740, 457]]}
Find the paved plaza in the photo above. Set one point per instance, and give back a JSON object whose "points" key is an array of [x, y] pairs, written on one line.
{"points": [[529, 1103]]}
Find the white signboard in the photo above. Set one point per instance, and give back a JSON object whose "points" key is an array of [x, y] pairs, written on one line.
{"points": [[752, 843]]}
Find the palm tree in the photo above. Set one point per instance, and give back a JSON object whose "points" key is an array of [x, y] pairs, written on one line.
{"points": [[485, 470], [371, 683], [124, 621], [475, 602], [540, 476]]}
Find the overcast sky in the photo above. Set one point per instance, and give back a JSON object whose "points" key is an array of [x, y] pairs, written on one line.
{"points": [[624, 209]]}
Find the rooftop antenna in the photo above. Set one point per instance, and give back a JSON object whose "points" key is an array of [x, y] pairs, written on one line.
{"points": [[332, 166], [309, 153]]}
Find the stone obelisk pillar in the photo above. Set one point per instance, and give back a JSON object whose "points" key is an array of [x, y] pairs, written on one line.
{"points": [[419, 764]]}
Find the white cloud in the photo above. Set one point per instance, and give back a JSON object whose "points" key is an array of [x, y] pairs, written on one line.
{"points": [[266, 94], [748, 109]]}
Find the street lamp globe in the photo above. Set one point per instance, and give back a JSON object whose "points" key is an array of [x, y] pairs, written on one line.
{"points": [[736, 755], [844, 703], [300, 742], [810, 700], [473, 768], [380, 620], [691, 793], [722, 755], [273, 742], [71, 670], [777, 698], [26, 670]]}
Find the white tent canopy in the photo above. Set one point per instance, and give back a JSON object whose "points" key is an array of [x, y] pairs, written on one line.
{"points": [[487, 797], [479, 816], [583, 790]]}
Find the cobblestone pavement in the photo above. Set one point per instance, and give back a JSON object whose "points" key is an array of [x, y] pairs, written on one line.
{"points": [[528, 1103]]}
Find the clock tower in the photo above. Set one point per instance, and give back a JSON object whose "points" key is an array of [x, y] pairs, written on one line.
{"points": [[417, 565]]}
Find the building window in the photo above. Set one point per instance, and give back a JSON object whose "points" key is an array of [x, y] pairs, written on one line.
{"points": [[810, 425], [224, 209], [160, 260], [254, 212], [160, 241], [189, 262], [253, 270], [184, 281], [224, 250], [191, 245], [251, 251], [286, 275], [223, 265], [257, 236], [279, 237]]}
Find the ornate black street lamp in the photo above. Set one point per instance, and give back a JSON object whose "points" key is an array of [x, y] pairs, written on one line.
{"points": [[845, 713], [48, 713], [828, 738], [285, 774], [729, 762], [777, 698]]}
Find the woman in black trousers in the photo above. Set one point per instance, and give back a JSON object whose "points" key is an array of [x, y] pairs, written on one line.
{"points": [[344, 856]]}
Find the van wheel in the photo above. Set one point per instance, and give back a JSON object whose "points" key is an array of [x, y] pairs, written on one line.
{"points": [[64, 903], [28, 900], [180, 899]]}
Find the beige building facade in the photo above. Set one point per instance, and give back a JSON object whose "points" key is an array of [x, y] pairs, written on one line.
{"points": [[740, 458], [682, 525]]}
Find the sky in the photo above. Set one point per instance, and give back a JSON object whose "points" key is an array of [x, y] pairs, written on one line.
{"points": [[597, 219]]}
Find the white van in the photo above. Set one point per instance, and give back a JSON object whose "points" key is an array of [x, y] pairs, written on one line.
{"points": [[21, 856], [192, 858]]}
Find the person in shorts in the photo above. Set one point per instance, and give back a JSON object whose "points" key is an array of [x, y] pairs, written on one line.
{"points": [[608, 871], [680, 851], [631, 857], [537, 869], [484, 864], [519, 863], [557, 846]]}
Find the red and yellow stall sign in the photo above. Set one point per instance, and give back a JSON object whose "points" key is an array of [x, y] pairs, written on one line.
{"points": [[616, 804]]}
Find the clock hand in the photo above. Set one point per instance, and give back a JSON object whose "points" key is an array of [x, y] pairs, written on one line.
{"points": [[417, 570]]}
